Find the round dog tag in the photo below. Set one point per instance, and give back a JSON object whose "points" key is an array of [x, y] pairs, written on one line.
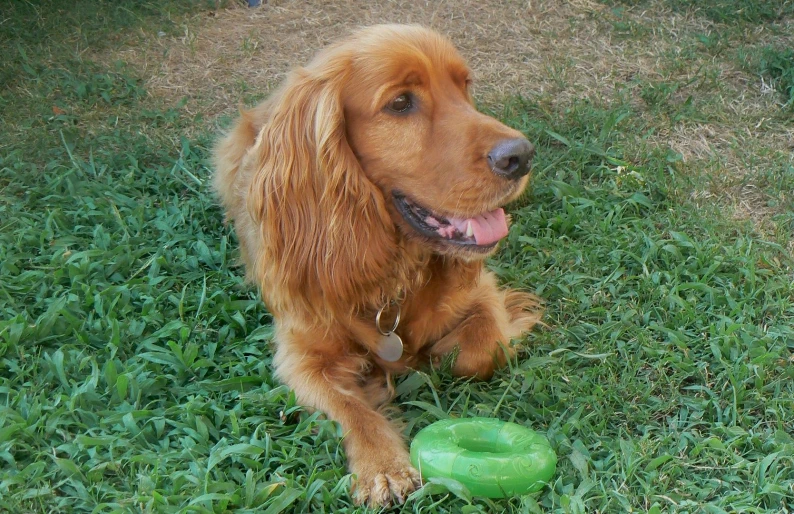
{"points": [[390, 347]]}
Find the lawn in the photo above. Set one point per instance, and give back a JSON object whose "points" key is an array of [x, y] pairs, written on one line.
{"points": [[135, 362]]}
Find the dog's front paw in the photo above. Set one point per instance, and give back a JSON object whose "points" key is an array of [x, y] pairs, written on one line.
{"points": [[387, 486]]}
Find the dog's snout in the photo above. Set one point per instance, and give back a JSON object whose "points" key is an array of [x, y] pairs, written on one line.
{"points": [[510, 158]]}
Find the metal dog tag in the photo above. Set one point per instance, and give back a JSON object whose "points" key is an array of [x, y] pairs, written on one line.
{"points": [[390, 347]]}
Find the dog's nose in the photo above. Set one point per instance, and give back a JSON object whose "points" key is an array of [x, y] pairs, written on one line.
{"points": [[510, 158]]}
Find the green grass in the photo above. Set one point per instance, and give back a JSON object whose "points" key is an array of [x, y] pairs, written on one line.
{"points": [[135, 364], [777, 66], [733, 11], [726, 11]]}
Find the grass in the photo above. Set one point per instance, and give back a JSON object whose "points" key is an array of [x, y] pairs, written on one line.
{"points": [[727, 11], [135, 364], [743, 11], [777, 66]]}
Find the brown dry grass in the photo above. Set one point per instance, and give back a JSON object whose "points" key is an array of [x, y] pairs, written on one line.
{"points": [[555, 51], [514, 47]]}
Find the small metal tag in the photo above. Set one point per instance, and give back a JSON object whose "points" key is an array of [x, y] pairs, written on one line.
{"points": [[390, 347]]}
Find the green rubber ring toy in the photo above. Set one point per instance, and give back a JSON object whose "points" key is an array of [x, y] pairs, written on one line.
{"points": [[492, 458]]}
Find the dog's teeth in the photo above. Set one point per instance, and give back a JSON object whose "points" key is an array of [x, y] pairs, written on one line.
{"points": [[469, 230]]}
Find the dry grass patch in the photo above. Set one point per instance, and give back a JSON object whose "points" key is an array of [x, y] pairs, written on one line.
{"points": [[555, 52], [515, 48]]}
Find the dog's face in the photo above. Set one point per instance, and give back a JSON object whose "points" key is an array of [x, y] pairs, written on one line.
{"points": [[445, 169]]}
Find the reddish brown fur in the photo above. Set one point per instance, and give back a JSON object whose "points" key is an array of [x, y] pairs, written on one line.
{"points": [[307, 176]]}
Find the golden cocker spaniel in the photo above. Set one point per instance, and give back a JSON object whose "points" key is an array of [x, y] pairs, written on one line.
{"points": [[366, 193]]}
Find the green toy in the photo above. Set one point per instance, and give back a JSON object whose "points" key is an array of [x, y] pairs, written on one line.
{"points": [[492, 458]]}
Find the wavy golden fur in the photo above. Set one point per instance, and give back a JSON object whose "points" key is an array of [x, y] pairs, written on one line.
{"points": [[336, 186]]}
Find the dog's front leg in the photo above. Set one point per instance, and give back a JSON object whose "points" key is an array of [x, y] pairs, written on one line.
{"points": [[494, 317], [327, 378]]}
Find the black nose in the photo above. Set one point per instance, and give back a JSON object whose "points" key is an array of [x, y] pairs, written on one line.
{"points": [[510, 158]]}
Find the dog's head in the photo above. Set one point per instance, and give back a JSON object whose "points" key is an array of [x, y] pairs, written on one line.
{"points": [[445, 169], [372, 152]]}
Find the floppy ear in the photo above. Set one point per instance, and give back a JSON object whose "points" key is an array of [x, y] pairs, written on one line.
{"points": [[327, 235]]}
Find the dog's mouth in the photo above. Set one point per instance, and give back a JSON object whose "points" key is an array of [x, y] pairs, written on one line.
{"points": [[478, 233]]}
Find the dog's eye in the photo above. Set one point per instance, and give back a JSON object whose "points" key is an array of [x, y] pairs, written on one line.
{"points": [[401, 104]]}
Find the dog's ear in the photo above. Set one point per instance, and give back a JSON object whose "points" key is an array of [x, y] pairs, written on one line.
{"points": [[327, 236]]}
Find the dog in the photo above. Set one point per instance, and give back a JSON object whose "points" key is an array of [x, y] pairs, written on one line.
{"points": [[366, 193]]}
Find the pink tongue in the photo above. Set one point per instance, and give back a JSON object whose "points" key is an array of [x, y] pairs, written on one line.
{"points": [[488, 228]]}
